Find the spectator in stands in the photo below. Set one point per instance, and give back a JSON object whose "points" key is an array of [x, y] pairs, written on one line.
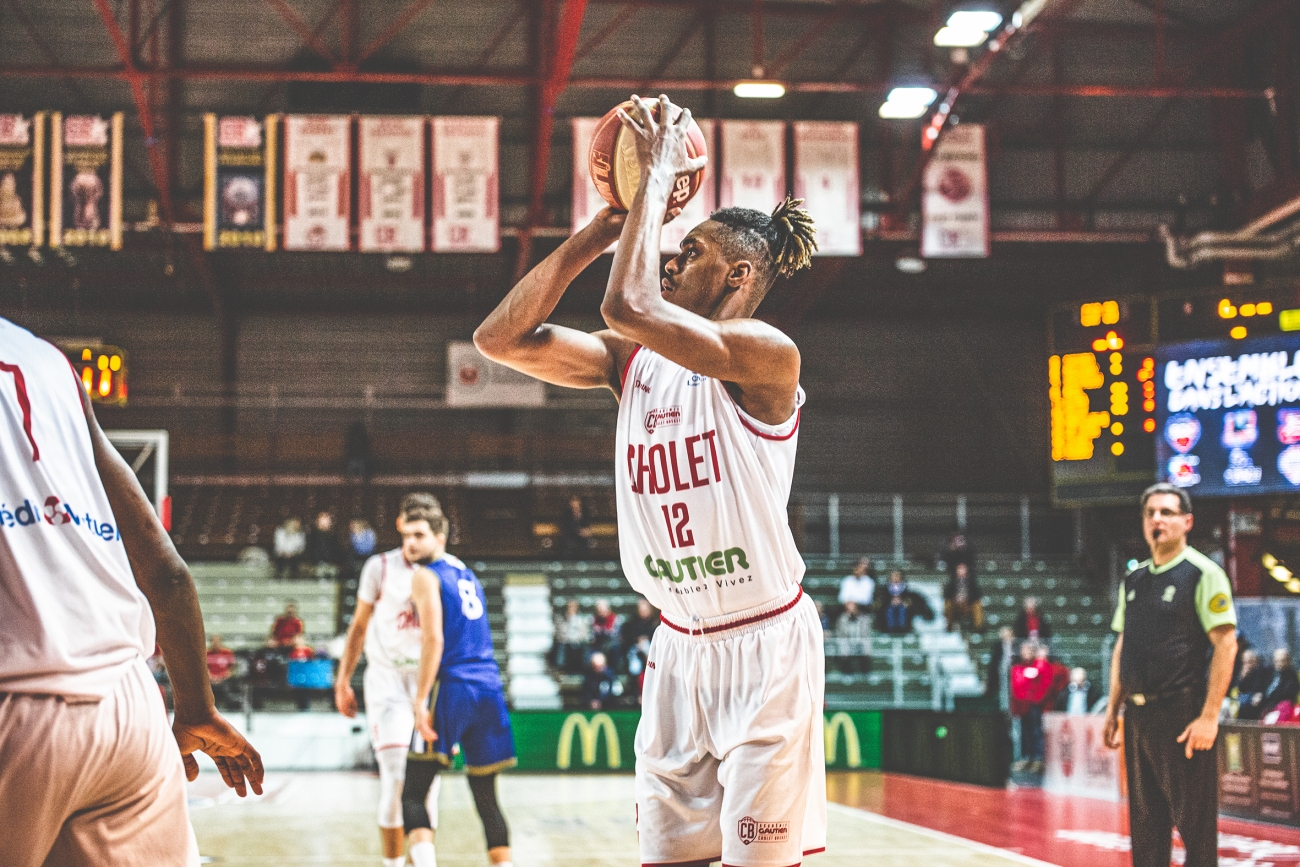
{"points": [[286, 628], [898, 607], [963, 605], [642, 625], [361, 541], [1060, 676], [853, 635], [356, 452], [301, 650], [1252, 686], [600, 686], [1031, 623], [221, 668], [1079, 695], [604, 629], [637, 658], [1031, 678], [572, 639], [323, 547], [860, 586], [287, 547], [959, 553], [1284, 684], [821, 615], [1001, 658], [575, 530]]}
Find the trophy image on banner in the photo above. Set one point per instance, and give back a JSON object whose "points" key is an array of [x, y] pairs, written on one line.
{"points": [[86, 181], [22, 180], [466, 216], [317, 182], [239, 182], [391, 184]]}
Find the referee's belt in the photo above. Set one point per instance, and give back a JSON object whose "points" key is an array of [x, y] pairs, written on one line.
{"points": [[1141, 699]]}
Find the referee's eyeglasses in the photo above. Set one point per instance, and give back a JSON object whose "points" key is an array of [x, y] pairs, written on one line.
{"points": [[1152, 514]]}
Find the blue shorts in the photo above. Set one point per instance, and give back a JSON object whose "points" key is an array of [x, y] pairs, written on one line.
{"points": [[473, 716]]}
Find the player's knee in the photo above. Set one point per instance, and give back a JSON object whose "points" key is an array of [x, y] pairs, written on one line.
{"points": [[392, 776], [495, 830], [419, 778]]}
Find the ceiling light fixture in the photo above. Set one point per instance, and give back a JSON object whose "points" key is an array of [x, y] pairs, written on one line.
{"points": [[956, 37], [975, 19], [758, 89], [906, 103]]}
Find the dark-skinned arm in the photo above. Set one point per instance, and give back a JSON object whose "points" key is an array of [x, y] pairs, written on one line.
{"points": [[166, 583]]}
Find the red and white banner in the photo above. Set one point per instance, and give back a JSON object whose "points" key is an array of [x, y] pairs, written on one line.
{"points": [[826, 178], [317, 182], [390, 184], [473, 380], [1078, 761], [466, 213], [704, 203], [753, 164], [22, 180], [955, 196]]}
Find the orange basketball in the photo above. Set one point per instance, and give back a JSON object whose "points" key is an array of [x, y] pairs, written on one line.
{"points": [[615, 170]]}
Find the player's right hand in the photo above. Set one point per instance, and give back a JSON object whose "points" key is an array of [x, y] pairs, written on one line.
{"points": [[424, 723], [240, 765], [345, 699], [1110, 731]]}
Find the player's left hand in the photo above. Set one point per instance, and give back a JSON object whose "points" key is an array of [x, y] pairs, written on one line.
{"points": [[424, 723], [661, 146], [1200, 734], [240, 765]]}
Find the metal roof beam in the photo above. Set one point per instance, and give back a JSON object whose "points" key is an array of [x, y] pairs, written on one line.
{"points": [[399, 24], [306, 34]]}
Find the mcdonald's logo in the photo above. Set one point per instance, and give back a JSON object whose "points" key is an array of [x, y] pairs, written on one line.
{"points": [[588, 735], [852, 748]]}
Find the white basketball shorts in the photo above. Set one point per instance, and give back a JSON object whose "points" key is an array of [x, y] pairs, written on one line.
{"points": [[390, 694], [730, 759]]}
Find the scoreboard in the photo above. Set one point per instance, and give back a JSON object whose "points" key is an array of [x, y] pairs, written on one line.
{"points": [[1109, 402], [101, 369]]}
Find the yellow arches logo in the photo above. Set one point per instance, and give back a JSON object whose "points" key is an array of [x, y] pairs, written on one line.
{"points": [[852, 748], [588, 735]]}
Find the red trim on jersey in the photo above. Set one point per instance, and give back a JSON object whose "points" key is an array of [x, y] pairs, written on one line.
{"points": [[748, 621], [20, 386], [798, 414], [392, 747], [622, 380], [383, 576], [807, 852]]}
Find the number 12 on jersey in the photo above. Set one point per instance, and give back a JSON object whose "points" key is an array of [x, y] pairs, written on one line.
{"points": [[679, 535]]}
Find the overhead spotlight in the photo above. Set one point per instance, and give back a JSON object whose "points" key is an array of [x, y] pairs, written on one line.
{"points": [[910, 264], [975, 19], [922, 95], [398, 264], [902, 110], [755, 89], [957, 37]]}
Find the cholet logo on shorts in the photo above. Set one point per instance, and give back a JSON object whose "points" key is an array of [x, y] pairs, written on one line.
{"points": [[753, 831], [663, 416]]}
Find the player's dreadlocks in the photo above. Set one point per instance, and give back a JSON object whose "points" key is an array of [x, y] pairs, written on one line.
{"points": [[778, 245]]}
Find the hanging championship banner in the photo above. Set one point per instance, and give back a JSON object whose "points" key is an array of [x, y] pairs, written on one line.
{"points": [[466, 216], [955, 196], [390, 195], [239, 182], [22, 180], [753, 164], [473, 380], [86, 181], [826, 178], [704, 203], [317, 182]]}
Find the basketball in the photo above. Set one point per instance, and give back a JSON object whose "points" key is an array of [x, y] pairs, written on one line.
{"points": [[613, 164]]}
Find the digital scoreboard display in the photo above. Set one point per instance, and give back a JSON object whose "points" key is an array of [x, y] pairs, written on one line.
{"points": [[1229, 415], [101, 369]]}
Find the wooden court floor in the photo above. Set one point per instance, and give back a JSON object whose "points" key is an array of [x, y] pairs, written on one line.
{"points": [[587, 821]]}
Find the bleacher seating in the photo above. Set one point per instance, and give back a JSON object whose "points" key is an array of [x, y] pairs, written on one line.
{"points": [[241, 602]]}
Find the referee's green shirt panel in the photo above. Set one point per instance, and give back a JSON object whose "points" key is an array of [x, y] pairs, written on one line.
{"points": [[1213, 594]]}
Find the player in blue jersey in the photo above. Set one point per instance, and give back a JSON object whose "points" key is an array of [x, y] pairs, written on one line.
{"points": [[459, 701]]}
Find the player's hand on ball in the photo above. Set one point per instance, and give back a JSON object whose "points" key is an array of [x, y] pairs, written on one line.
{"points": [[1199, 734], [609, 224], [239, 764], [345, 699], [661, 147], [424, 724]]}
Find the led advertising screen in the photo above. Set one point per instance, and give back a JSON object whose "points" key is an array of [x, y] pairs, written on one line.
{"points": [[1228, 415]]}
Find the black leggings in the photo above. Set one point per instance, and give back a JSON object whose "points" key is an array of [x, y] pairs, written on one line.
{"points": [[419, 779]]}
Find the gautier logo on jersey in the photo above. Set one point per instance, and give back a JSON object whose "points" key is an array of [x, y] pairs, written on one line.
{"points": [[677, 465], [718, 563], [662, 417]]}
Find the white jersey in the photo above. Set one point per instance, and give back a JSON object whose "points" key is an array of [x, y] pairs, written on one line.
{"points": [[702, 488], [74, 620], [393, 637]]}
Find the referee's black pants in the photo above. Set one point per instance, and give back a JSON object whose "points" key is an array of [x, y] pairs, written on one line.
{"points": [[1166, 789]]}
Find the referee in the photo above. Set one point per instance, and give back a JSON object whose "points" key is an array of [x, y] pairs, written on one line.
{"points": [[1173, 611]]}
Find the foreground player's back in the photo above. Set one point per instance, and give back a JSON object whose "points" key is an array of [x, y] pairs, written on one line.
{"points": [[467, 651], [74, 614]]}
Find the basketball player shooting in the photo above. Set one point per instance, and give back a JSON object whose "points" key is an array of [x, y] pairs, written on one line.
{"points": [[89, 774], [729, 753]]}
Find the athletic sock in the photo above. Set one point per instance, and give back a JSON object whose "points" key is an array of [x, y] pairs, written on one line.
{"points": [[399, 861], [423, 855]]}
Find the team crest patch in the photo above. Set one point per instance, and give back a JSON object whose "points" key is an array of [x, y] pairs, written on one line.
{"points": [[662, 417], [753, 831], [1219, 603], [1169, 593]]}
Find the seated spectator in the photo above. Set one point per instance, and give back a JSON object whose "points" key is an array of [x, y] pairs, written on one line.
{"points": [[959, 552], [1031, 678], [287, 547], [322, 547], [286, 628], [637, 658], [634, 629], [1060, 676], [301, 650], [1032, 624], [1252, 686], [361, 541], [821, 615], [575, 530], [221, 668], [600, 686], [1079, 695], [898, 607], [1284, 685], [604, 629], [572, 639], [859, 587], [853, 635], [963, 605]]}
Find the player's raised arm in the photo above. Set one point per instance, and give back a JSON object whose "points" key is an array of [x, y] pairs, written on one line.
{"points": [[706, 327], [165, 581], [517, 334]]}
